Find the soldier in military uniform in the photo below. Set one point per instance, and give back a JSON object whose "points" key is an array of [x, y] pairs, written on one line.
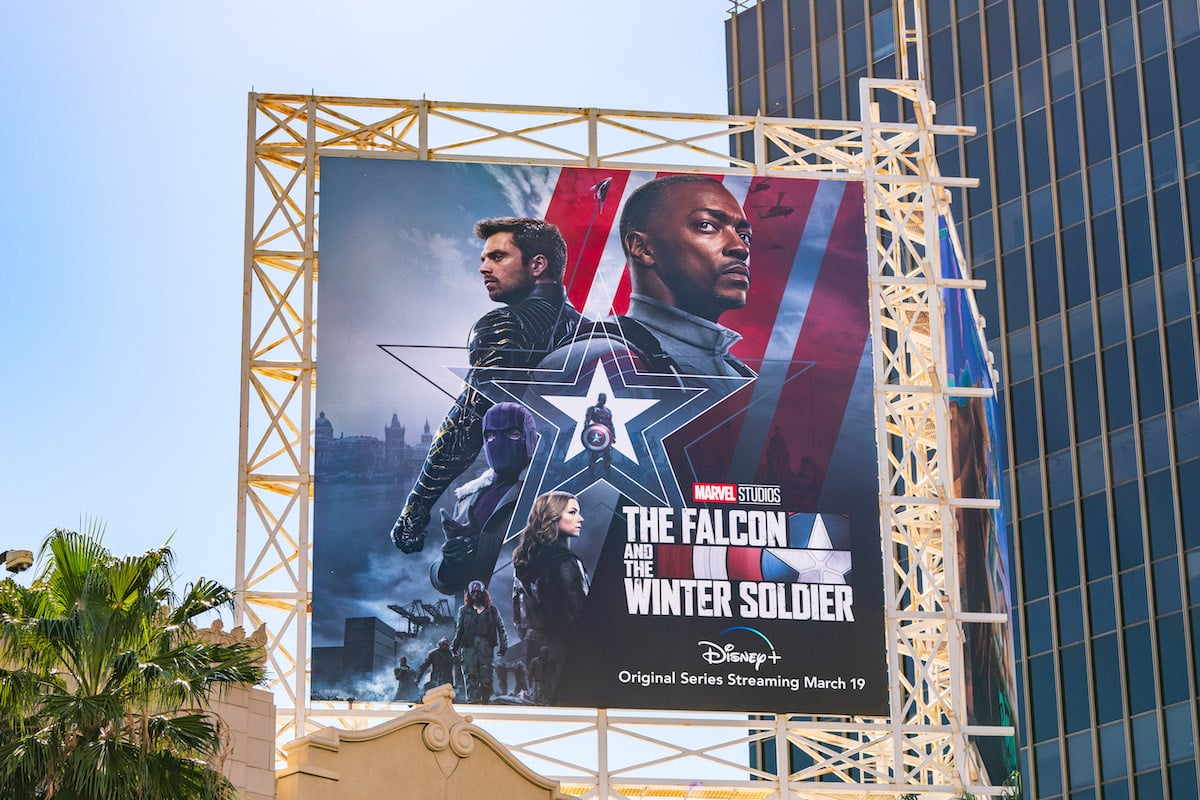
{"points": [[477, 631], [406, 681], [440, 663]]}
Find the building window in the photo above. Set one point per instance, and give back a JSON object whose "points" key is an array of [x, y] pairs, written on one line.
{"points": [[1075, 691], [1101, 609], [1079, 318], [1133, 174], [1086, 399], [1107, 666], [1181, 362], [1154, 31], [1187, 445], [1003, 102], [1187, 62], [1062, 73], [1134, 605], [1050, 349], [1157, 76], [772, 17], [882, 37], [1168, 213], [1080, 766], [1091, 479], [1124, 459], [1120, 45], [1064, 532], [1139, 669], [1029, 44], [798, 21], [1125, 98], [1054, 410], [1091, 60], [1049, 770], [1113, 751], [1070, 624], [1139, 260], [1036, 581], [1087, 17], [1128, 520], [1181, 742], [1100, 187], [1149, 376], [1156, 456], [1145, 742]]}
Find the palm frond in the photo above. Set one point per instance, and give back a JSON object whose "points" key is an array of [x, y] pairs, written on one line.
{"points": [[106, 681]]}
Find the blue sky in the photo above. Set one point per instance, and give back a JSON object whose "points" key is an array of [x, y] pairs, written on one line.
{"points": [[122, 168]]}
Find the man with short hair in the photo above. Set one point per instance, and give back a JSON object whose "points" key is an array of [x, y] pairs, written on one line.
{"points": [[522, 266], [687, 242]]}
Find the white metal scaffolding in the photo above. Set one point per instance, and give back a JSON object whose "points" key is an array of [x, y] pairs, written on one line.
{"points": [[921, 746]]}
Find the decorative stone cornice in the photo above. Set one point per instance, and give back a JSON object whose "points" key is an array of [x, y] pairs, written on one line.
{"points": [[216, 634]]}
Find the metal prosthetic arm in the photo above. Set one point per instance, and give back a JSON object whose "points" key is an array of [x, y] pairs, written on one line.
{"points": [[496, 341], [455, 445]]}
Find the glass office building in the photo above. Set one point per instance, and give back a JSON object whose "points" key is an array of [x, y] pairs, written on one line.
{"points": [[1086, 226]]}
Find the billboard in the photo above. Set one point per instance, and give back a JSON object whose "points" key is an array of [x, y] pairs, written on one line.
{"points": [[645, 429], [983, 538]]}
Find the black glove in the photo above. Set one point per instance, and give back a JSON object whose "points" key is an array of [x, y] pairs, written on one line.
{"points": [[460, 540], [409, 531]]}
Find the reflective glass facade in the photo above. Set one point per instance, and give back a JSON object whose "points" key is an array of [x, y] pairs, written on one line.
{"points": [[1086, 226]]}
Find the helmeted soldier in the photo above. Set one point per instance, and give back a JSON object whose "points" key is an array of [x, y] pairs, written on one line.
{"points": [[477, 631], [406, 681], [440, 663]]}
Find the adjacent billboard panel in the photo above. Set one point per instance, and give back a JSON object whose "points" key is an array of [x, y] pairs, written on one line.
{"points": [[983, 537], [635, 408]]}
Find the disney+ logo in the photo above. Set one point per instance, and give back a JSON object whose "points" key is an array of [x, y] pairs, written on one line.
{"points": [[728, 653]]}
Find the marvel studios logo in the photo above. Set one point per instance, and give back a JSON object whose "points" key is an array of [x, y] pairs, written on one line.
{"points": [[746, 493]]}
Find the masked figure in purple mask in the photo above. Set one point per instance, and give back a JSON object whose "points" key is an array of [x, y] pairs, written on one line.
{"points": [[483, 509]]}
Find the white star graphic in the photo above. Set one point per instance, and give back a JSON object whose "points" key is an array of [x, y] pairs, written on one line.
{"points": [[624, 409], [819, 562]]}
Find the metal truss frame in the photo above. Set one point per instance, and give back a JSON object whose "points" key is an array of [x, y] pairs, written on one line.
{"points": [[922, 746]]}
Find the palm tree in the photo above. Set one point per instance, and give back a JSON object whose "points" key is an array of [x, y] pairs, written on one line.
{"points": [[104, 681]]}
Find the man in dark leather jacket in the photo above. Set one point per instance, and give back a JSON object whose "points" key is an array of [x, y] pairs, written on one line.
{"points": [[475, 533], [522, 265]]}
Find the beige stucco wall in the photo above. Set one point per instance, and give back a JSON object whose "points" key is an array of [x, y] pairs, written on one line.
{"points": [[247, 715], [430, 753]]}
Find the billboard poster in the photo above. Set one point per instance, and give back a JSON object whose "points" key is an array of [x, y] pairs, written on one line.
{"points": [[983, 544], [594, 437]]}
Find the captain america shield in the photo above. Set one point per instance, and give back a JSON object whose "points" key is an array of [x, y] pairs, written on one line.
{"points": [[596, 437]]}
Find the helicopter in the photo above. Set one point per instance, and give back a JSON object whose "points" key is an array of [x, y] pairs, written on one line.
{"points": [[777, 209]]}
